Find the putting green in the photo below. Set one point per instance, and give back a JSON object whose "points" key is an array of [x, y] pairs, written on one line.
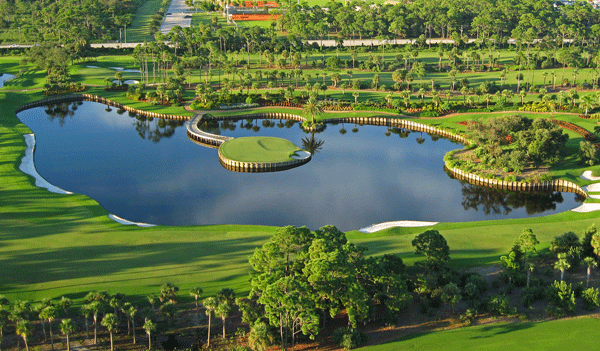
{"points": [[259, 149]]}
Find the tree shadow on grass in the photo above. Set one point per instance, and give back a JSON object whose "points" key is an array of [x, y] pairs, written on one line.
{"points": [[490, 331]]}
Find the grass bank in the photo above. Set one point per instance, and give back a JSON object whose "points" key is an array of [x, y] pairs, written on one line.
{"points": [[530, 336]]}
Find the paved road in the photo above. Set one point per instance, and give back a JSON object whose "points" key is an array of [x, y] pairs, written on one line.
{"points": [[176, 16]]}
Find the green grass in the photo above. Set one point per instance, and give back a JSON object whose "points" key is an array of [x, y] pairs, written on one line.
{"points": [[570, 334], [53, 245], [259, 149], [139, 30]]}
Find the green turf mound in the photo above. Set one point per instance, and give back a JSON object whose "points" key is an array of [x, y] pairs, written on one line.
{"points": [[259, 149]]}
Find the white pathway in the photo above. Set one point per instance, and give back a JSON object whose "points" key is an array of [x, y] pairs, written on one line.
{"points": [[381, 226], [589, 207], [176, 16]]}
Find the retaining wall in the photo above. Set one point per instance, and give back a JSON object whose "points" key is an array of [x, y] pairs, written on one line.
{"points": [[100, 99], [553, 185], [257, 167]]}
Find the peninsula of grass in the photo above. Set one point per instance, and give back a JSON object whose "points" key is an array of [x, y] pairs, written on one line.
{"points": [[259, 149]]}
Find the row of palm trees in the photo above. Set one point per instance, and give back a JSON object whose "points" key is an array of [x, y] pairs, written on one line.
{"points": [[97, 305]]}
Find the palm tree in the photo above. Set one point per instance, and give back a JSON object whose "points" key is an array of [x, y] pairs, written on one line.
{"points": [[49, 313], [356, 94], [223, 310], [587, 103], [487, 98], [119, 76], [131, 314], [67, 327], [196, 292], [590, 262], [562, 264], [210, 304], [64, 304], [110, 321], [167, 292], [86, 312], [150, 328], [312, 109], [24, 329], [96, 308]]}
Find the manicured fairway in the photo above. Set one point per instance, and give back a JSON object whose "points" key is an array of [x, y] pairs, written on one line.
{"points": [[569, 334], [259, 149], [53, 245]]}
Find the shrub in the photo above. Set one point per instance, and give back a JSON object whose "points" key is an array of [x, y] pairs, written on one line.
{"points": [[531, 295], [429, 114], [499, 305], [349, 338], [468, 317], [561, 299], [590, 299]]}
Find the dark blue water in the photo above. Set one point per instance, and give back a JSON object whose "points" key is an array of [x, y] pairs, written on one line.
{"points": [[149, 171]]}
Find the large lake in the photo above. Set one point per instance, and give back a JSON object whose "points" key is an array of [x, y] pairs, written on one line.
{"points": [[149, 171]]}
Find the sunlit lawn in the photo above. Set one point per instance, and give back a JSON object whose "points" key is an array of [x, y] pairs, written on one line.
{"points": [[571, 334]]}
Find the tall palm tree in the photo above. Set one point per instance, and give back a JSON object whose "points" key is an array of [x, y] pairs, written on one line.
{"points": [[67, 327], [49, 313], [150, 328], [312, 108], [223, 310], [586, 103], [131, 314], [562, 264], [590, 262], [110, 321], [196, 292], [167, 292], [96, 308], [24, 329], [210, 304]]}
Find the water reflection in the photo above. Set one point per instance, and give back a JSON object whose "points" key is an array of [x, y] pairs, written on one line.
{"points": [[162, 128], [312, 145], [495, 201], [357, 179], [61, 111]]}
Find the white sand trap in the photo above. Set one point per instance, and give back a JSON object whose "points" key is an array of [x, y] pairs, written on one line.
{"points": [[117, 68], [377, 227], [90, 66], [131, 71], [5, 78], [587, 175], [126, 222], [594, 196], [28, 167], [587, 207], [301, 155], [128, 81], [592, 187]]}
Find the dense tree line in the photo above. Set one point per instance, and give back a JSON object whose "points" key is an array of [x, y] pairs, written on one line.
{"points": [[67, 21], [481, 19]]}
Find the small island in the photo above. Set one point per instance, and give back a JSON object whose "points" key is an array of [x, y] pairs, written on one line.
{"points": [[261, 154]]}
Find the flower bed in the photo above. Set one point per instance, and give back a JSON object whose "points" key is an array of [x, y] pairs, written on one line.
{"points": [[592, 116], [280, 104], [575, 128], [255, 17]]}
